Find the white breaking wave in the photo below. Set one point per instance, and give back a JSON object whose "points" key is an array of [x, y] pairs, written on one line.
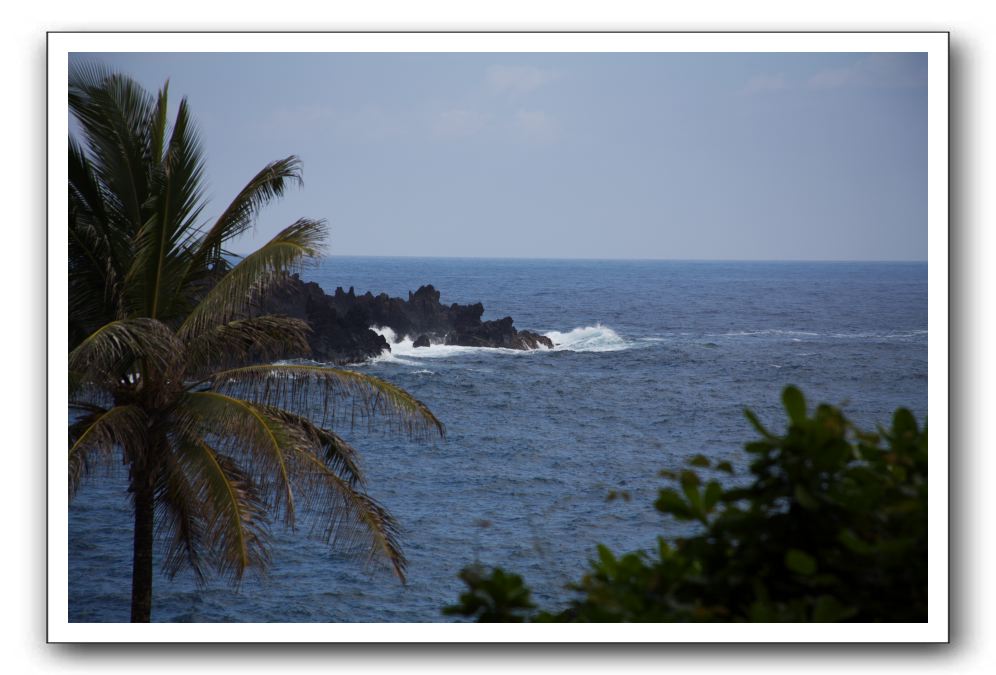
{"points": [[597, 338], [404, 350]]}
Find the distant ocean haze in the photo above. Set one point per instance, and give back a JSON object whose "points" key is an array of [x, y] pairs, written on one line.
{"points": [[655, 361]]}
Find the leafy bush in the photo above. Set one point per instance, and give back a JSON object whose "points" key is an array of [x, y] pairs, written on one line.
{"points": [[494, 596], [832, 527]]}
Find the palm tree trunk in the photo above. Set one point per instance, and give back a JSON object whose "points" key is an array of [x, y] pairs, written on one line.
{"points": [[141, 574]]}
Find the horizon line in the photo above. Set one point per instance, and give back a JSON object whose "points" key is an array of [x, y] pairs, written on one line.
{"points": [[621, 259]]}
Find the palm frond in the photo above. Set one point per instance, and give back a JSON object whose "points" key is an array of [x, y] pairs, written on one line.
{"points": [[180, 519], [261, 338], [86, 195], [216, 509], [239, 523], [334, 451], [322, 468], [95, 253], [92, 280], [94, 437], [176, 200], [317, 470], [158, 127], [338, 393], [349, 516], [239, 216], [247, 433], [246, 283], [108, 353], [113, 112]]}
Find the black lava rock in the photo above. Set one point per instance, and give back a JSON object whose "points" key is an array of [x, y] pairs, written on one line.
{"points": [[341, 323]]}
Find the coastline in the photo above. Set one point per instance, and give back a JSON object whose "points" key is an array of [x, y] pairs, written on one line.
{"points": [[343, 323]]}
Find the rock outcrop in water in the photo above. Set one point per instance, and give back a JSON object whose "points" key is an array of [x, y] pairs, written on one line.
{"points": [[335, 337], [341, 322]]}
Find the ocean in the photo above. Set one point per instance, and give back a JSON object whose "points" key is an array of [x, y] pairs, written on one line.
{"points": [[655, 362]]}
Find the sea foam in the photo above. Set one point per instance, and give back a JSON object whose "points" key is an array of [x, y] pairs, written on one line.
{"points": [[404, 351], [597, 338]]}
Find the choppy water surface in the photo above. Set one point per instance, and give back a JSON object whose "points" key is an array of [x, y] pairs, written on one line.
{"points": [[655, 362]]}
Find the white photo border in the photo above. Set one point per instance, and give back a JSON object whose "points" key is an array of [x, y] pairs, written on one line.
{"points": [[934, 44]]}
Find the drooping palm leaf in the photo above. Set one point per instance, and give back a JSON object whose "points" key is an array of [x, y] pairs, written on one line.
{"points": [[318, 471], [239, 517], [246, 283], [257, 441], [180, 519], [107, 354], [261, 338], [350, 516], [330, 447], [94, 439], [220, 504], [337, 392]]}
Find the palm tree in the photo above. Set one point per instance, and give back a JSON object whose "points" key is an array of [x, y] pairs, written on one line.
{"points": [[165, 343]]}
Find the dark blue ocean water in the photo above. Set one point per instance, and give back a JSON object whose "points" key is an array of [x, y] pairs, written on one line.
{"points": [[656, 361]]}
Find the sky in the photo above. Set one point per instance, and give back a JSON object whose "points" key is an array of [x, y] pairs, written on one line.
{"points": [[790, 156]]}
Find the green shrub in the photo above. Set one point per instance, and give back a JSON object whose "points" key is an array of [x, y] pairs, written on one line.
{"points": [[498, 596], [832, 526]]}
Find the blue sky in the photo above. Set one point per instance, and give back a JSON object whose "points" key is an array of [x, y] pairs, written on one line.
{"points": [[674, 156]]}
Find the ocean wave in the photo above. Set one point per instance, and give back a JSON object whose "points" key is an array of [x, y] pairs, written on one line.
{"points": [[404, 351], [767, 331], [597, 338], [881, 335], [801, 336]]}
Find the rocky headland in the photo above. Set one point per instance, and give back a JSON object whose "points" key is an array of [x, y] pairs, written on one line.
{"points": [[341, 322]]}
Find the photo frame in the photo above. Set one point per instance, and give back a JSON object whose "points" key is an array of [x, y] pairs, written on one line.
{"points": [[933, 44]]}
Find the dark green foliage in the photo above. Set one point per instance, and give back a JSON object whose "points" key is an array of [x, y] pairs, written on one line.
{"points": [[165, 335], [831, 527], [499, 596]]}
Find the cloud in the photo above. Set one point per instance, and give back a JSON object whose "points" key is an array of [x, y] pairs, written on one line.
{"points": [[459, 123], [764, 83], [876, 70], [536, 125], [517, 80]]}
